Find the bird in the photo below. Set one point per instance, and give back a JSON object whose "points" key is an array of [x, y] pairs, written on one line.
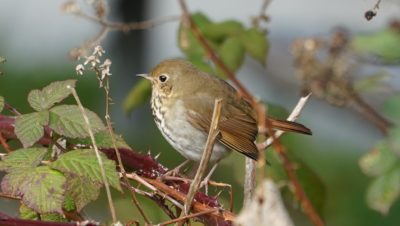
{"points": [[182, 102]]}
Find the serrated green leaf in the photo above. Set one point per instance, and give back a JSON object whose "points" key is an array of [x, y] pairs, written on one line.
{"points": [[67, 120], [1, 103], [256, 44], [103, 140], [384, 190], [82, 191], [383, 44], [138, 95], [232, 54], [41, 188], [23, 158], [69, 203], [53, 217], [27, 213], [222, 30], [55, 92], [29, 127], [379, 160], [12, 182], [83, 163]]}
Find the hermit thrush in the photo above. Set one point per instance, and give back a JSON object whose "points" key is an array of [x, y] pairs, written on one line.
{"points": [[182, 103]]}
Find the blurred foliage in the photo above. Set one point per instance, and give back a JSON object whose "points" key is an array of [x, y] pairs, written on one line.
{"points": [[231, 41], [383, 45], [383, 163]]}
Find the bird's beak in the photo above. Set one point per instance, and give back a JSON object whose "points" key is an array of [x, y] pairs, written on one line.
{"points": [[146, 76]]}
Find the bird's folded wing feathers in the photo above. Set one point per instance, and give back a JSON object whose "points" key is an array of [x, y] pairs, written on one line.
{"points": [[238, 130]]}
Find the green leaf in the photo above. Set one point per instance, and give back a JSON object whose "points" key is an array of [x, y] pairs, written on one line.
{"points": [[29, 127], [308, 178], [201, 20], [256, 44], [138, 95], [384, 190], [394, 140], [222, 30], [276, 111], [188, 43], [391, 108], [232, 54], [312, 185], [68, 120], [201, 64], [53, 217], [1, 103], [83, 163], [82, 191], [383, 44], [41, 188], [55, 92], [103, 140], [372, 82], [27, 213], [23, 158], [69, 203], [378, 161]]}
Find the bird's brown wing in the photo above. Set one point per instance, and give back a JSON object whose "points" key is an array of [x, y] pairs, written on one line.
{"points": [[238, 129]]}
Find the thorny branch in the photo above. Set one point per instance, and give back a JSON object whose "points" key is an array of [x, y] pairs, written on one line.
{"points": [[148, 169]]}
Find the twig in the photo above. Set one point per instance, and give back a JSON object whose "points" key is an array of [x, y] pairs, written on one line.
{"points": [[370, 113], [262, 16], [309, 209], [205, 158], [3, 143], [249, 181], [211, 53], [186, 217], [221, 215], [292, 117], [100, 161], [119, 160], [142, 181], [126, 27]]}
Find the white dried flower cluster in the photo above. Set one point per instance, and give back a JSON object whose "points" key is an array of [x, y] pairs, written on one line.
{"points": [[94, 63], [105, 69], [79, 69], [71, 7]]}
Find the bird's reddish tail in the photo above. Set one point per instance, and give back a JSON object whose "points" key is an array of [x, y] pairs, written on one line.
{"points": [[288, 126]]}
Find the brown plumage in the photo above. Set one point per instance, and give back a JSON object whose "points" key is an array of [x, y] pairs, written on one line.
{"points": [[182, 102]]}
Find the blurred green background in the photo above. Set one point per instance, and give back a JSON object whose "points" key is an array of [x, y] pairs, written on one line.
{"points": [[35, 38]]}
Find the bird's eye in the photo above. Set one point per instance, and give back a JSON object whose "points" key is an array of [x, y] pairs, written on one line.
{"points": [[163, 78]]}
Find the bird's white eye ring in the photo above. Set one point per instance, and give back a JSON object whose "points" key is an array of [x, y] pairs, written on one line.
{"points": [[163, 78]]}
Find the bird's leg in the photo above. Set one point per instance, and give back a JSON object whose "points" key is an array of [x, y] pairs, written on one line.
{"points": [[176, 170], [208, 177]]}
